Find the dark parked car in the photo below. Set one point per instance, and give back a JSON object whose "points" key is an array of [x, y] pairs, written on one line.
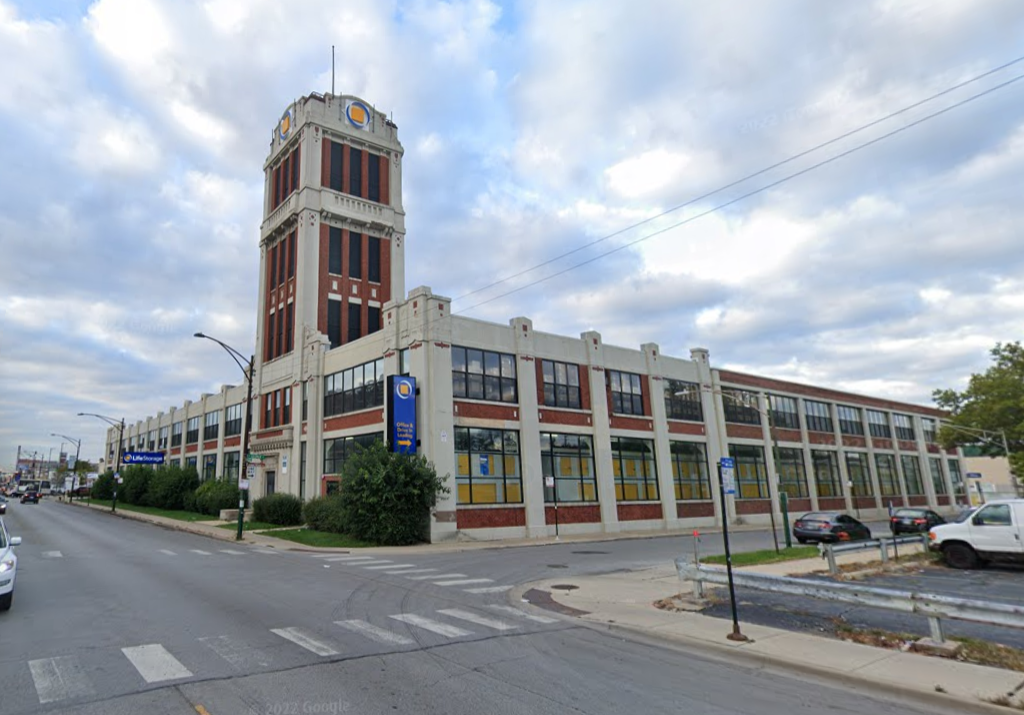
{"points": [[3, 504], [914, 521], [30, 498], [829, 526]]}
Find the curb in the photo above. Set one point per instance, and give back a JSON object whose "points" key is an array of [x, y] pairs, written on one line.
{"points": [[182, 526], [761, 661]]}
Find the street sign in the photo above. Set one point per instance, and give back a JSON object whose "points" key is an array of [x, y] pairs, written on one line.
{"points": [[402, 413], [728, 466], [974, 475], [284, 463], [485, 465], [143, 458], [250, 471], [243, 484], [549, 481], [255, 458]]}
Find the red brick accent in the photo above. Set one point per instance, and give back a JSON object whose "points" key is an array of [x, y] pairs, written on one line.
{"points": [[267, 434], [636, 512], [585, 388], [797, 505], [753, 506], [821, 438], [942, 500], [743, 431], [934, 449], [490, 518], [385, 274], [685, 428], [896, 501], [864, 502], [552, 416], [325, 161], [639, 424], [788, 435], [355, 419], [175, 450], [908, 446], [694, 509], [323, 280], [582, 514], [645, 394], [385, 180], [855, 442], [881, 443], [190, 448], [738, 378], [232, 441], [210, 446], [324, 481], [918, 500], [488, 411], [832, 504]]}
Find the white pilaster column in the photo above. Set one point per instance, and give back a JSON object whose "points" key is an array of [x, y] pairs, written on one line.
{"points": [[529, 429], [602, 431], [662, 447]]}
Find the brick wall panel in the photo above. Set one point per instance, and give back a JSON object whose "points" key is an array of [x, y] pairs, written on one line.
{"points": [[490, 518], [694, 509], [581, 514], [638, 512]]}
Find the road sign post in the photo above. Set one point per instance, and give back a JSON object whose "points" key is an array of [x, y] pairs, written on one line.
{"points": [[727, 485]]}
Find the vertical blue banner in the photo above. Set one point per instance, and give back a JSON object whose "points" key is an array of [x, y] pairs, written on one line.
{"points": [[402, 414]]}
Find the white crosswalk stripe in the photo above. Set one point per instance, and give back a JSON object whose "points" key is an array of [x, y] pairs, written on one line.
{"points": [[381, 635], [442, 575], [378, 562], [389, 566], [408, 572], [348, 558], [463, 581], [265, 551], [521, 614], [303, 639], [477, 619], [241, 655], [59, 679], [168, 552], [155, 664], [52, 555], [232, 552], [200, 552], [427, 624], [488, 589]]}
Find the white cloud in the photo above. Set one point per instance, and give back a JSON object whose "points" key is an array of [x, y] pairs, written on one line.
{"points": [[652, 170]]}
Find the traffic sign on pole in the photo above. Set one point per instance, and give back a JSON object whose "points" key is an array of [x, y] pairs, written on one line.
{"points": [[728, 475]]}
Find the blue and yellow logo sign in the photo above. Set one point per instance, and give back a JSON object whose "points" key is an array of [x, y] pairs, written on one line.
{"points": [[403, 389], [285, 125], [358, 114]]}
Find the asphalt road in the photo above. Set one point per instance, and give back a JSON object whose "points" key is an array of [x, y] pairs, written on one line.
{"points": [[117, 616]]}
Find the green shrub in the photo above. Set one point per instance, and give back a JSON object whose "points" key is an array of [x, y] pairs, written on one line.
{"points": [[135, 485], [103, 487], [216, 494], [169, 486], [386, 497], [282, 509], [325, 514], [188, 502]]}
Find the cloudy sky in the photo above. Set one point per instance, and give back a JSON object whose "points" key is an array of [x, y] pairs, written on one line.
{"points": [[136, 130]]}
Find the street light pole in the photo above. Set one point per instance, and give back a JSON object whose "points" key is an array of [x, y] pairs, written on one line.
{"points": [[783, 496], [247, 371], [78, 453], [120, 443]]}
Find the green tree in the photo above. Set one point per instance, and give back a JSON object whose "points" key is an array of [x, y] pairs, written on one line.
{"points": [[993, 402]]}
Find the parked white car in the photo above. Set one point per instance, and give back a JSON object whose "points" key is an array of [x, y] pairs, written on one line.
{"points": [[8, 566], [992, 532]]}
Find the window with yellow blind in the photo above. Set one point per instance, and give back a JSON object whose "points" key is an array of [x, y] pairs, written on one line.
{"points": [[690, 471], [751, 472], [792, 473], [487, 466], [636, 475], [569, 458]]}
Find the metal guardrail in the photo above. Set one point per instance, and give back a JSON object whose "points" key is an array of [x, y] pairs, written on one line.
{"points": [[933, 606], [829, 551]]}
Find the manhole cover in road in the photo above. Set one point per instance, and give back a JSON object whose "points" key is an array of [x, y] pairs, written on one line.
{"points": [[564, 587], [592, 553], [558, 566]]}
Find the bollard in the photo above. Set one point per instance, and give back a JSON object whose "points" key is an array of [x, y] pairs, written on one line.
{"points": [[830, 555], [935, 625], [883, 547]]}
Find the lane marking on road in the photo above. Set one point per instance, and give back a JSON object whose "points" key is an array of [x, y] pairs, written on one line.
{"points": [[155, 664], [463, 581], [233, 552], [59, 678], [443, 575], [512, 611], [488, 589], [304, 640], [389, 566], [350, 558], [477, 619], [376, 562], [241, 655], [407, 571], [381, 635], [265, 551], [427, 624], [168, 552], [53, 555], [200, 552]]}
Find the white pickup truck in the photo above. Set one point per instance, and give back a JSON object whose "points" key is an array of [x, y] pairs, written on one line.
{"points": [[992, 532]]}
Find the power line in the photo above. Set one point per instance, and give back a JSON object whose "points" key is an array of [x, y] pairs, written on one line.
{"points": [[747, 195], [737, 181]]}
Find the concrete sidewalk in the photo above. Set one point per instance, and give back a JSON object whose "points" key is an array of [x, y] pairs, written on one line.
{"points": [[625, 601]]}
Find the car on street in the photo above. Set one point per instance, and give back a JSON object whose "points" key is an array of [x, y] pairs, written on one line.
{"points": [[914, 521], [3, 504], [829, 526], [8, 566], [993, 532], [30, 497]]}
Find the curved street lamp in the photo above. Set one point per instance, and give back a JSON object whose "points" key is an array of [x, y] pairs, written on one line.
{"points": [[120, 441], [247, 372], [78, 452]]}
